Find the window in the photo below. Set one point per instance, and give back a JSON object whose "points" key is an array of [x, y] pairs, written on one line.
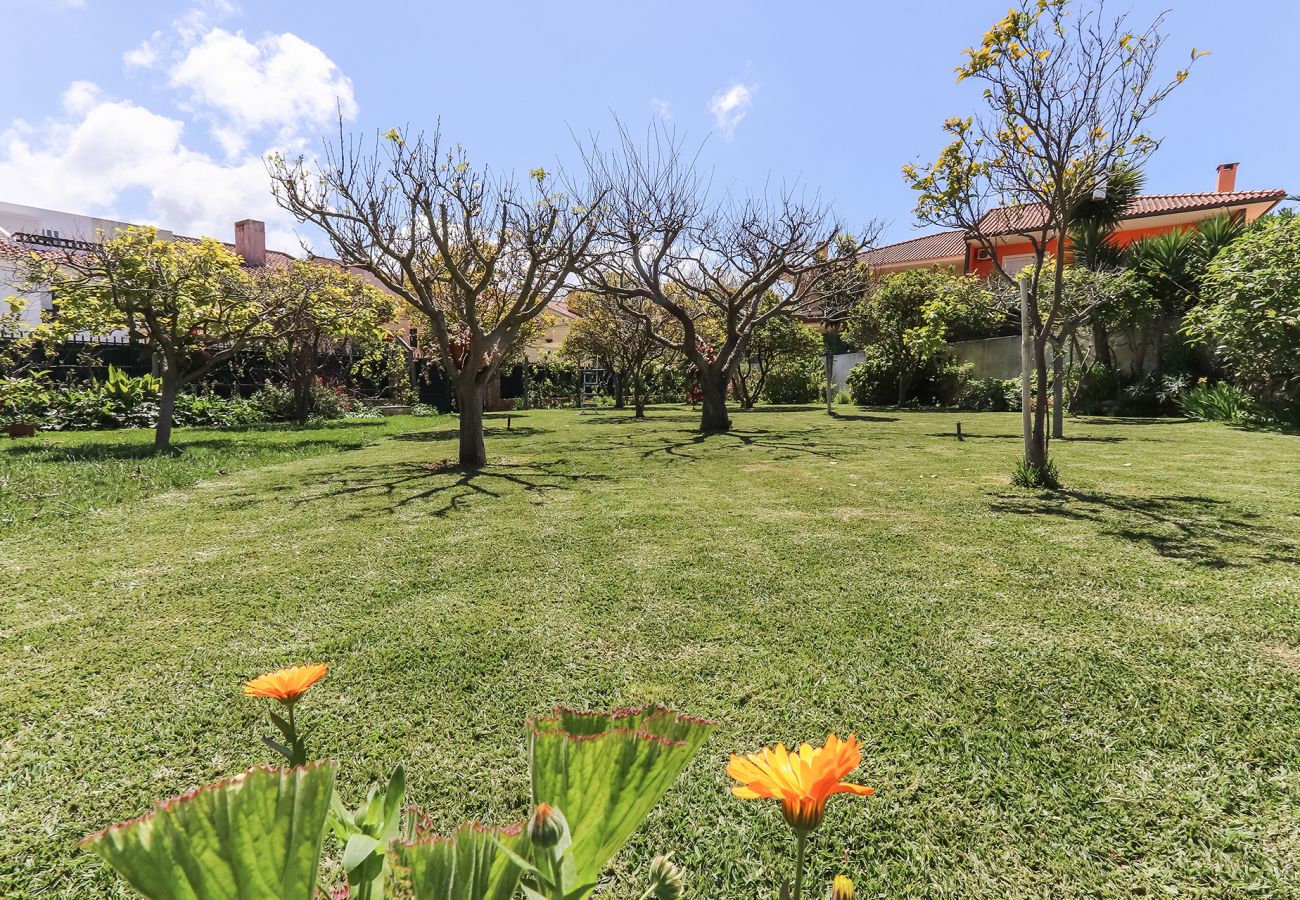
{"points": [[1017, 263]]}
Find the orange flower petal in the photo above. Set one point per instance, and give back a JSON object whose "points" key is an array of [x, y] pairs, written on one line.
{"points": [[286, 685], [802, 780]]}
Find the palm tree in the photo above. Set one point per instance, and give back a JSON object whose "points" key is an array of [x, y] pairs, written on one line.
{"points": [[1092, 243], [1173, 265]]}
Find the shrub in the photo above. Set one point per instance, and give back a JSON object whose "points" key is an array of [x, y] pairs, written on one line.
{"points": [[275, 401], [1222, 402], [843, 398], [873, 382], [990, 395], [1026, 476], [329, 401], [792, 382]]}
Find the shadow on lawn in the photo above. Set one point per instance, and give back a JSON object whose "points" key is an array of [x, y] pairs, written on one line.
{"points": [[142, 451], [454, 488], [787, 445], [1016, 436], [1200, 530]]}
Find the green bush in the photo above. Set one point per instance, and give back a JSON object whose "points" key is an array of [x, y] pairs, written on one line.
{"points": [[792, 382], [1222, 402], [275, 401], [990, 395], [873, 382]]}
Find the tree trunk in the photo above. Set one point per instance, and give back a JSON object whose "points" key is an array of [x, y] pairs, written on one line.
{"points": [[620, 391], [1026, 370], [469, 402], [1037, 451], [905, 380], [713, 390], [171, 387], [1058, 394], [1101, 343], [638, 392]]}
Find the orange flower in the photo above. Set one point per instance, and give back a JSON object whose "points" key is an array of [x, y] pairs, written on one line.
{"points": [[802, 781], [286, 685]]}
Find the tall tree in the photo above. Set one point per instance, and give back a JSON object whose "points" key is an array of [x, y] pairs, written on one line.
{"points": [[1093, 246], [708, 261], [1067, 101], [479, 256], [189, 303]]}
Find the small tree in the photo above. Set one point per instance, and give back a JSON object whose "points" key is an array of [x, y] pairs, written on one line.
{"points": [[621, 338], [1250, 309], [723, 264], [189, 303], [1067, 101], [782, 342], [908, 317], [321, 306], [477, 255]]}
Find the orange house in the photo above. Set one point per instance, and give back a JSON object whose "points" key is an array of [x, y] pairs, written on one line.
{"points": [[1147, 215]]}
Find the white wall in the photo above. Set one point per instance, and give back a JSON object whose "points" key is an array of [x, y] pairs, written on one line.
{"points": [[36, 303], [51, 223], [841, 363]]}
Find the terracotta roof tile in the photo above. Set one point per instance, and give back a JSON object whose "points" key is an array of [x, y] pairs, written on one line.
{"points": [[1010, 220], [932, 246]]}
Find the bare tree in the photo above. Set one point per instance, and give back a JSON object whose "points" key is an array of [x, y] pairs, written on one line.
{"points": [[716, 265], [476, 254], [1067, 102]]}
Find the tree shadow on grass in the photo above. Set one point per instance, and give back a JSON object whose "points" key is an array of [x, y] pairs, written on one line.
{"points": [[451, 434], [1199, 530], [783, 444], [73, 453], [1017, 436], [449, 488]]}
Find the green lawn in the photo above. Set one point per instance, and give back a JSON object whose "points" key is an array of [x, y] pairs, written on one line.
{"points": [[1093, 693]]}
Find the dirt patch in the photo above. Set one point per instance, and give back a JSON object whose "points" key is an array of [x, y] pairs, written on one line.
{"points": [[1284, 653]]}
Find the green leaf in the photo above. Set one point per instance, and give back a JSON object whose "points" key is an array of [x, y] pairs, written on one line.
{"points": [[469, 865], [253, 836], [606, 771], [357, 849]]}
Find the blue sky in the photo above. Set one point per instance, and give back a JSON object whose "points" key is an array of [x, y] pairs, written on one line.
{"points": [[161, 111]]}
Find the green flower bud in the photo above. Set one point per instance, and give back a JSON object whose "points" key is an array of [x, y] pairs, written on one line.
{"points": [[544, 829], [666, 882]]}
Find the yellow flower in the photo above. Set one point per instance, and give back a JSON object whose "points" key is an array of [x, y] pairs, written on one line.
{"points": [[802, 781], [286, 685], [842, 889]]}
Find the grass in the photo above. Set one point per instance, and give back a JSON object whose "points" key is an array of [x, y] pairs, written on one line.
{"points": [[1086, 693], [66, 474]]}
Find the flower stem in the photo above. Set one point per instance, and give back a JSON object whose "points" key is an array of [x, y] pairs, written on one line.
{"points": [[801, 843]]}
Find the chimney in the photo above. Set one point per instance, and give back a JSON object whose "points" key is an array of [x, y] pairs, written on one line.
{"points": [[1227, 178], [250, 241]]}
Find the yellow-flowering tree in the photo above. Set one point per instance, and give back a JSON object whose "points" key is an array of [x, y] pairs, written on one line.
{"points": [[321, 306], [1067, 101], [189, 303]]}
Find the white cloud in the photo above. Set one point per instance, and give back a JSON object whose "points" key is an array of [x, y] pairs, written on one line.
{"points": [[663, 109], [112, 157], [87, 162], [281, 83], [145, 54], [81, 97], [729, 106]]}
